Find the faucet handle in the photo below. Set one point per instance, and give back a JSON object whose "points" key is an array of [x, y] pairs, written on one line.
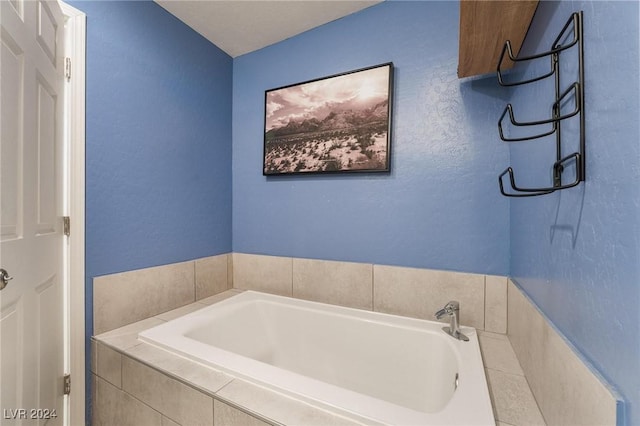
{"points": [[450, 308], [453, 305]]}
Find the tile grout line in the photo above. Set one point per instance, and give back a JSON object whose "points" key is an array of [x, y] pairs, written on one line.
{"points": [[121, 370], [533, 395], [291, 258], [229, 272], [484, 297], [373, 283], [237, 406], [506, 314], [121, 389], [528, 388], [195, 290]]}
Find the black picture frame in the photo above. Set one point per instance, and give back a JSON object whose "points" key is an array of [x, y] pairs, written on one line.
{"points": [[335, 124]]}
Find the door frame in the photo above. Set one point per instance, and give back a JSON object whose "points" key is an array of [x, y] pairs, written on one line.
{"points": [[74, 257]]}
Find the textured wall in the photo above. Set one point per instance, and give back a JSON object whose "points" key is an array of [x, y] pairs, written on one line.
{"points": [[438, 208], [159, 162], [577, 252], [158, 141]]}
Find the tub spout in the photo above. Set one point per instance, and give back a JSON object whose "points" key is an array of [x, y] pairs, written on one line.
{"points": [[442, 312], [452, 309]]}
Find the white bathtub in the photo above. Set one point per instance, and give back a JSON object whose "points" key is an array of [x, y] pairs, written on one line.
{"points": [[387, 368]]}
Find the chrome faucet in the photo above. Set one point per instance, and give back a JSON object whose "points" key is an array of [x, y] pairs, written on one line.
{"points": [[452, 309]]}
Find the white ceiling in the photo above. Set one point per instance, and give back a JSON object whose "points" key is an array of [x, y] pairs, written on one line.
{"points": [[242, 26]]}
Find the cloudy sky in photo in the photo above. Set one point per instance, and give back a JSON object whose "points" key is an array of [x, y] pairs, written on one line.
{"points": [[317, 99]]}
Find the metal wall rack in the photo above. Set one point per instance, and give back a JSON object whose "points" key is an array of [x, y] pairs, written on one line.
{"points": [[575, 91]]}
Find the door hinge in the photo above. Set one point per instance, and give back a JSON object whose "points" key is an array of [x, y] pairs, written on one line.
{"points": [[67, 68], [66, 221], [67, 384]]}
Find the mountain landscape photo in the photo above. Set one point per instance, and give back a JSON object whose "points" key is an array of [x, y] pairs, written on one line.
{"points": [[336, 124]]}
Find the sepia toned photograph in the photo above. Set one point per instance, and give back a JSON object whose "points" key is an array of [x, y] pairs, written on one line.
{"points": [[340, 123]]}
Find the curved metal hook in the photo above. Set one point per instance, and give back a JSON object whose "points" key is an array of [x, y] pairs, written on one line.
{"points": [[556, 48], [532, 192]]}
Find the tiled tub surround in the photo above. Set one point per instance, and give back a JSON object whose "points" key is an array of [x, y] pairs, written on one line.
{"points": [[138, 384], [411, 292], [126, 297], [347, 359], [560, 391], [342, 283], [566, 387]]}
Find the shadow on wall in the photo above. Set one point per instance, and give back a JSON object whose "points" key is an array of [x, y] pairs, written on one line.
{"points": [[571, 217], [488, 86]]}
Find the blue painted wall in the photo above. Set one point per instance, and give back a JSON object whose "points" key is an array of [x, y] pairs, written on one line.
{"points": [[576, 253], [158, 141], [162, 105], [438, 208]]}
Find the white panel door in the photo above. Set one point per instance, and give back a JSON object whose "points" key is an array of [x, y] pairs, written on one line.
{"points": [[31, 305]]}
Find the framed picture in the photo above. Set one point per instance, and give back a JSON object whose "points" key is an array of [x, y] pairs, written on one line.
{"points": [[335, 124]]}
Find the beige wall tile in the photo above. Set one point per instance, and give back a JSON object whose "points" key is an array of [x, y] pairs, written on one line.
{"points": [[170, 397], [226, 415], [230, 270], [109, 365], [565, 388], [498, 336], [113, 407], [126, 337], [339, 283], [219, 297], [526, 332], [269, 274], [512, 400], [280, 408], [181, 311], [420, 293], [579, 397], [498, 354], [495, 314], [166, 421], [212, 275], [203, 378], [127, 297]]}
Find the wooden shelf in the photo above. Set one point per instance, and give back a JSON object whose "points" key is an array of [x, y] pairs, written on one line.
{"points": [[485, 25]]}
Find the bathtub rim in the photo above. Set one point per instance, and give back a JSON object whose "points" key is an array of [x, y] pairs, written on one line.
{"points": [[480, 399]]}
